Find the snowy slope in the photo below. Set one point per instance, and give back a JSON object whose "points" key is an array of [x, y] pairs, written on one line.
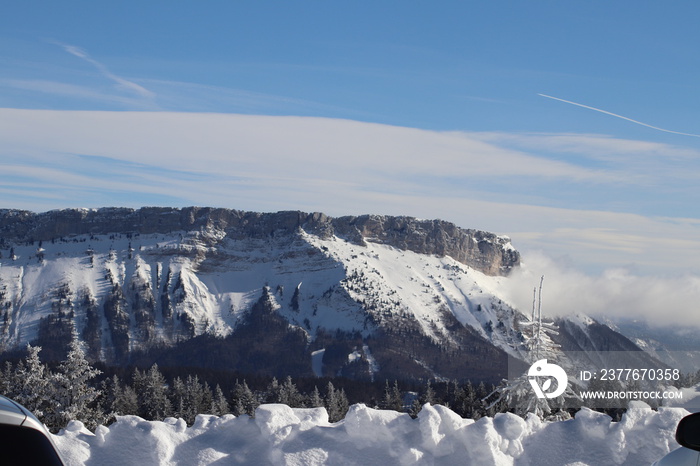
{"points": [[184, 284], [422, 287]]}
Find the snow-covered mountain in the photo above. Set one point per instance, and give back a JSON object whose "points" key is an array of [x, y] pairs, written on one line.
{"points": [[674, 345], [279, 292]]}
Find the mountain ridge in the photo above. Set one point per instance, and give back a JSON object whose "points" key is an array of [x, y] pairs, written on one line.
{"points": [[482, 250]]}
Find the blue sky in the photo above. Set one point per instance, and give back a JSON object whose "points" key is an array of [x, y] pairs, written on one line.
{"points": [[474, 66], [429, 109]]}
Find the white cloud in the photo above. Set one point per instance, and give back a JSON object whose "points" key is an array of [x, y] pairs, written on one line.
{"points": [[301, 145], [615, 293]]}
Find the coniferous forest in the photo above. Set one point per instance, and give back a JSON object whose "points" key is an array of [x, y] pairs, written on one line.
{"points": [[75, 389], [95, 394]]}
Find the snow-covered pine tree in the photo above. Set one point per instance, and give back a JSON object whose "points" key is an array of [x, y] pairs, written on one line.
{"points": [[392, 398], [343, 403], [152, 391], [219, 404], [289, 394], [7, 379], [466, 403], [75, 397], [178, 397], [538, 342], [315, 400], [273, 391], [207, 399], [244, 400], [119, 399], [32, 384], [518, 394], [336, 403], [194, 399], [331, 402], [429, 394]]}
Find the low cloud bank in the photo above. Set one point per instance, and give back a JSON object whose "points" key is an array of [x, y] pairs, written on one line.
{"points": [[614, 293]]}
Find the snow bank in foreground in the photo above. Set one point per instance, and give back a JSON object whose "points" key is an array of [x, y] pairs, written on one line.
{"points": [[280, 435]]}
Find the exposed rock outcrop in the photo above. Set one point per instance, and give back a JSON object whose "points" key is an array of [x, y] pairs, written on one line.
{"points": [[481, 250]]}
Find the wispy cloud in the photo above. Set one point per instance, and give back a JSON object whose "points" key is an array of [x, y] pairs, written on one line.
{"points": [[629, 161], [594, 146], [196, 97], [121, 82], [77, 92]]}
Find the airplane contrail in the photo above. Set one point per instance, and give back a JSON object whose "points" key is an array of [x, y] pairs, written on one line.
{"points": [[124, 83], [620, 116]]}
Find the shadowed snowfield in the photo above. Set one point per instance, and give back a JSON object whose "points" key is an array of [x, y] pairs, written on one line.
{"points": [[279, 435]]}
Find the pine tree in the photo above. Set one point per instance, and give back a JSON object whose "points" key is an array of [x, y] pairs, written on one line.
{"points": [[466, 402], [75, 397], [336, 403], [538, 341], [273, 391], [452, 388], [289, 394], [219, 405], [7, 379], [179, 398], [191, 398], [429, 394], [207, 399], [392, 398], [415, 408], [194, 399], [153, 394], [518, 394], [32, 384], [386, 398], [343, 404], [244, 401], [120, 400], [315, 400]]}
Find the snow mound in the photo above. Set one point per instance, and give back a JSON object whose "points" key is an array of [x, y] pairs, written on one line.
{"points": [[280, 435]]}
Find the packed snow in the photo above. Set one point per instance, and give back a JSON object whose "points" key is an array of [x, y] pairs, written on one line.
{"points": [[280, 435]]}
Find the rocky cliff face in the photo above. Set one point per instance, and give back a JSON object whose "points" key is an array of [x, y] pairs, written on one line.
{"points": [[486, 252], [360, 296], [481, 250]]}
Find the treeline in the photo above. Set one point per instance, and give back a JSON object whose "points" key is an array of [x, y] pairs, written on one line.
{"points": [[75, 390]]}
